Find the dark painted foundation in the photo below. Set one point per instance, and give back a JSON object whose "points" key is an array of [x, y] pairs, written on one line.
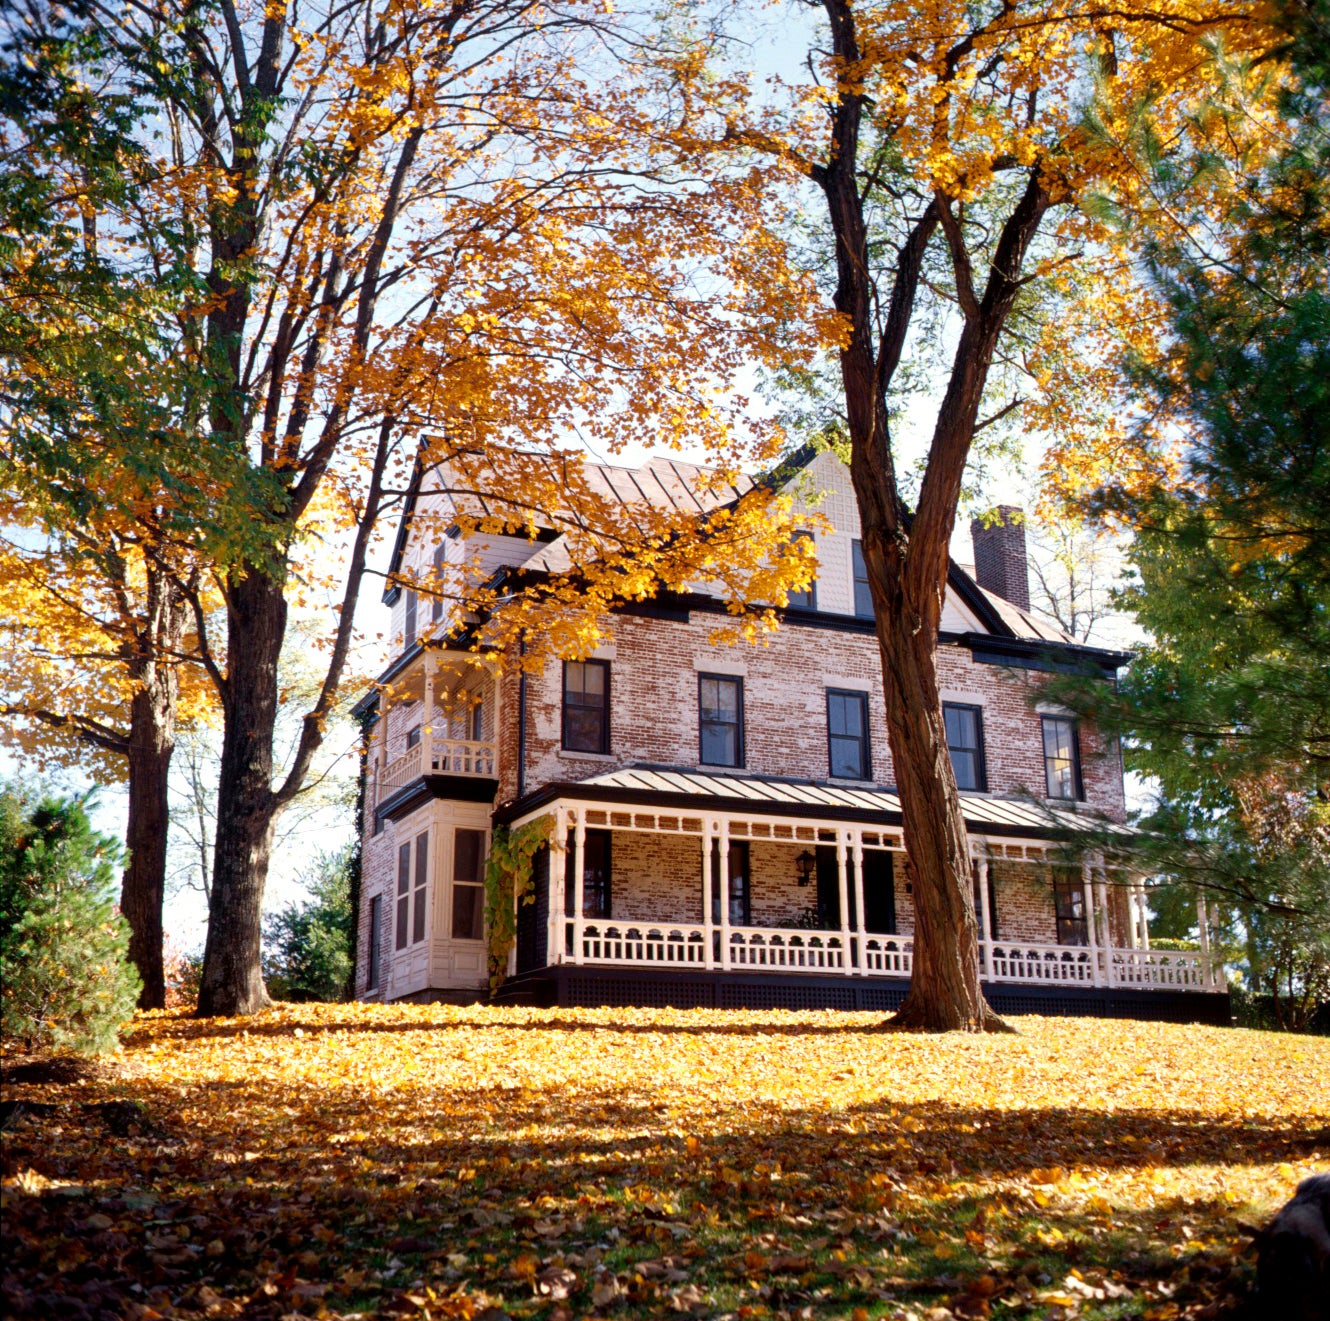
{"points": [[589, 987]]}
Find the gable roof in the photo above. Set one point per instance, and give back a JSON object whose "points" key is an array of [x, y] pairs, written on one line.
{"points": [[665, 482]]}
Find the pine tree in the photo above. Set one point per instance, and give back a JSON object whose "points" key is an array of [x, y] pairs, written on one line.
{"points": [[65, 978]]}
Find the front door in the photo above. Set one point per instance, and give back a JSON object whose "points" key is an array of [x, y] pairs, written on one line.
{"points": [[828, 888], [879, 893]]}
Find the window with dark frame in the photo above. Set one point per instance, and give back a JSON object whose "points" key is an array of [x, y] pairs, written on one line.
{"points": [[436, 607], [1069, 905], [375, 942], [412, 736], [847, 735], [468, 885], [409, 623], [740, 887], [586, 706], [807, 599], [720, 715], [863, 598], [965, 742], [1062, 757], [403, 894], [596, 878]]}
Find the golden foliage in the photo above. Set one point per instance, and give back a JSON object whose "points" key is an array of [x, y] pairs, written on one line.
{"points": [[427, 1160]]}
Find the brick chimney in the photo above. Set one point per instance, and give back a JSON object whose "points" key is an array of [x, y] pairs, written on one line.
{"points": [[999, 554]]}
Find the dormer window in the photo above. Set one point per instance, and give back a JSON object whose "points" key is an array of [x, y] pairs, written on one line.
{"points": [[409, 623], [807, 599], [863, 598]]}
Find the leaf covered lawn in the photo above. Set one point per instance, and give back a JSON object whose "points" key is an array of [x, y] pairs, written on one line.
{"points": [[430, 1161]]}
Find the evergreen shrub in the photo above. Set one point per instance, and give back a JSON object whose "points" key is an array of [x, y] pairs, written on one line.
{"points": [[65, 977]]}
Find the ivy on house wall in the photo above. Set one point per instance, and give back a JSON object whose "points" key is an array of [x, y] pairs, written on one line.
{"points": [[508, 882]]}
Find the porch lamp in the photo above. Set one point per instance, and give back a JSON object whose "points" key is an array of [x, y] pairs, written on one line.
{"points": [[804, 866]]}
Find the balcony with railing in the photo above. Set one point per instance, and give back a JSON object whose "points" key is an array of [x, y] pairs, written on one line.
{"points": [[445, 709]]}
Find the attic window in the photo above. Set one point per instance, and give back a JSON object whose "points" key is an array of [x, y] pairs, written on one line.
{"points": [[409, 625], [436, 612], [863, 598]]}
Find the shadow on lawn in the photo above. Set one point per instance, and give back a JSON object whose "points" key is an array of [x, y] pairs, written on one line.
{"points": [[306, 1208], [259, 1026]]}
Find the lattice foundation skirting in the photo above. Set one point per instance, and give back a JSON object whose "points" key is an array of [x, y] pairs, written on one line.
{"points": [[587, 987]]}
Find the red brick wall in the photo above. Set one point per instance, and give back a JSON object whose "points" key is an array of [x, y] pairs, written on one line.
{"points": [[653, 717]]}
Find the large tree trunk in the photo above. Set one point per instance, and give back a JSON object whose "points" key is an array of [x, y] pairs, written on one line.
{"points": [[148, 751], [144, 887], [944, 993], [232, 981]]}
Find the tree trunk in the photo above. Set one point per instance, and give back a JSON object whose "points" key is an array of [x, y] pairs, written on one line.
{"points": [[232, 981], [944, 994], [151, 742], [144, 887]]}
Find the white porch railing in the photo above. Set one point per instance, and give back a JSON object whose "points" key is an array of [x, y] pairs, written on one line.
{"points": [[790, 948], [447, 757], [667, 944], [641, 944], [1178, 969]]}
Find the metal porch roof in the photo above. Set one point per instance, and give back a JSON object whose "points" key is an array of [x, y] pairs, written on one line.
{"points": [[645, 785]]}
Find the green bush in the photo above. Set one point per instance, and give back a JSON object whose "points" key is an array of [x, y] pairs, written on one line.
{"points": [[65, 977], [307, 947]]}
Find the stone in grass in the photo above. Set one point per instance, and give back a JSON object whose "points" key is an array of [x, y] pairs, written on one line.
{"points": [[1293, 1257]]}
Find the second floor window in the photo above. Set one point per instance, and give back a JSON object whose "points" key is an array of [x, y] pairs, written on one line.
{"points": [[409, 623], [1062, 758], [586, 706], [847, 734], [863, 598], [965, 742], [720, 716]]}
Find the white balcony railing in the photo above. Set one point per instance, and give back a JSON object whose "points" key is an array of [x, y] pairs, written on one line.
{"points": [[668, 944], [447, 757]]}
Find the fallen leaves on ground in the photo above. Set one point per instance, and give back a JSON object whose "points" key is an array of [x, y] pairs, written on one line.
{"points": [[442, 1162]]}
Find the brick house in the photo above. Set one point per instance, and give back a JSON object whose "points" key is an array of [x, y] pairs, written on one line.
{"points": [[724, 824]]}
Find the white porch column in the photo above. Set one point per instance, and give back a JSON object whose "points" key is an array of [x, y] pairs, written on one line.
{"points": [[1203, 932], [843, 895], [723, 835], [427, 719], [708, 884], [554, 926], [1133, 915], [1143, 904], [1091, 935], [1106, 919], [579, 878], [860, 923], [985, 907]]}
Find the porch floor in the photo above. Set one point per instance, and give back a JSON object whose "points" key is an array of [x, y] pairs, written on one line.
{"points": [[589, 986]]}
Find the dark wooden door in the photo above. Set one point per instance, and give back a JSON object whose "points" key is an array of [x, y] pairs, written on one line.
{"points": [[879, 893]]}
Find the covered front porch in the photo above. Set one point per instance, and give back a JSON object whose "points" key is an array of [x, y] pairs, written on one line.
{"points": [[730, 878]]}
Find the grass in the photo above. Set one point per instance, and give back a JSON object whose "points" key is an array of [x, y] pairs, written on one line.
{"points": [[442, 1162]]}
